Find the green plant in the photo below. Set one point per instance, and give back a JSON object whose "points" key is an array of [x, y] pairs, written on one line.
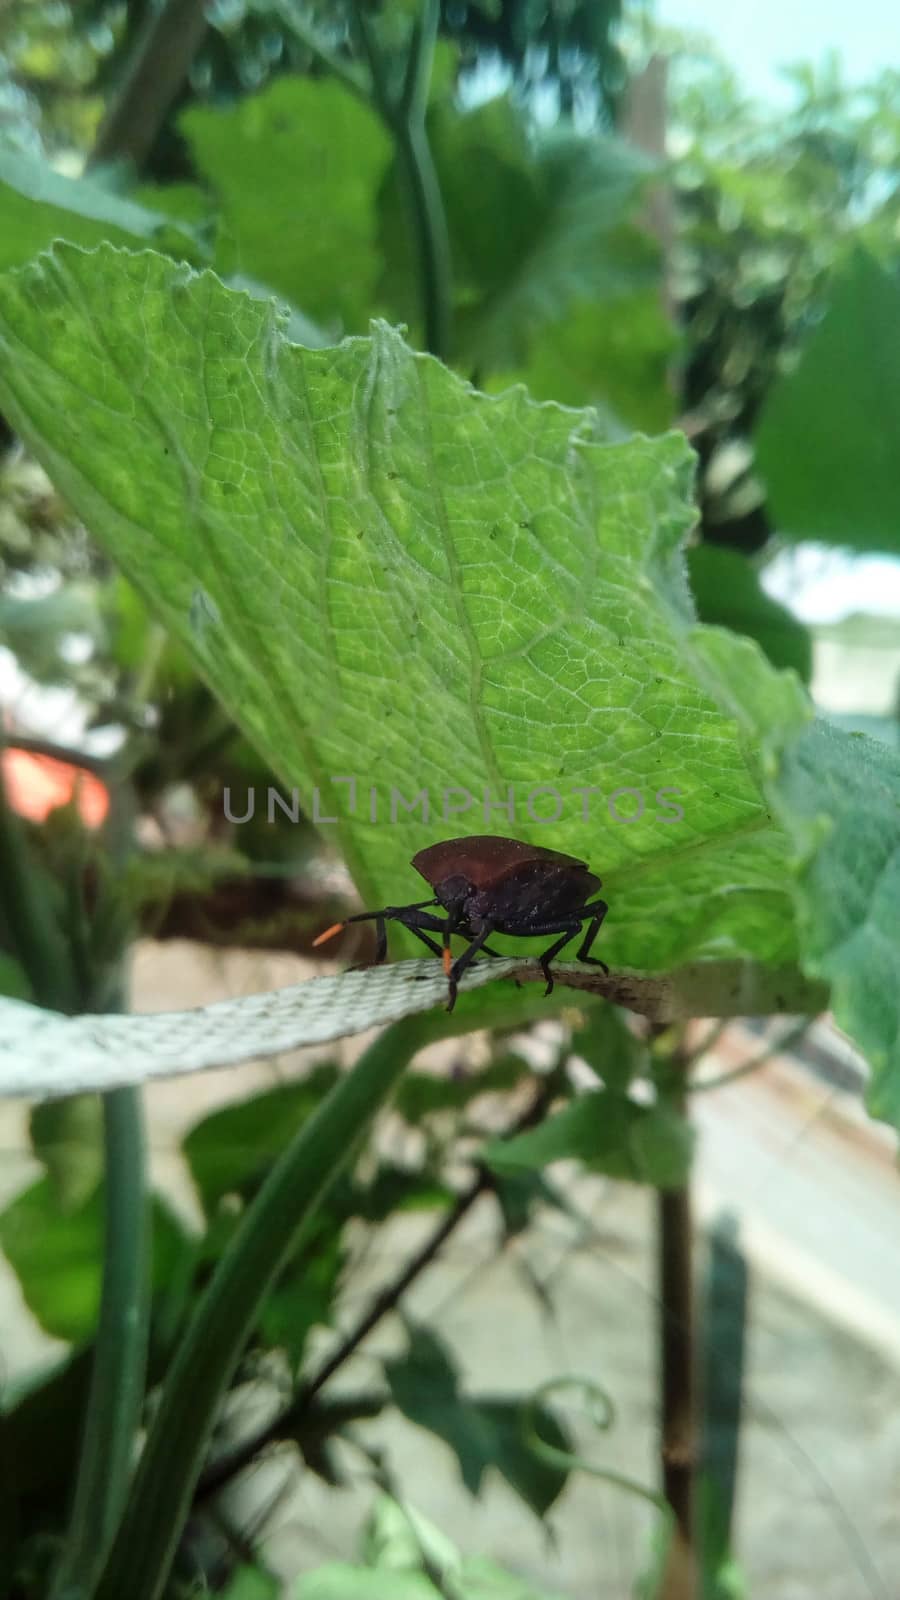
{"points": [[326, 561]]}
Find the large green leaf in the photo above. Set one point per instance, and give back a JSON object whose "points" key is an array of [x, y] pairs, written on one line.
{"points": [[388, 575], [828, 440], [296, 171], [840, 795]]}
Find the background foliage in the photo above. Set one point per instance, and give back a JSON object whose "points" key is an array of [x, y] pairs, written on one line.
{"points": [[258, 554]]}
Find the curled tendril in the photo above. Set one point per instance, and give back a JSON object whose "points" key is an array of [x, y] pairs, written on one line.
{"points": [[601, 1413]]}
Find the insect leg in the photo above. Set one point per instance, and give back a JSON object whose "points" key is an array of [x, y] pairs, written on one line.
{"points": [[434, 948], [380, 918], [465, 960], [599, 910], [544, 961]]}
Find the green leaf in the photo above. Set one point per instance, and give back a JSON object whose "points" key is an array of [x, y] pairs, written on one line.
{"points": [[340, 1580], [839, 793], [56, 1255], [542, 234], [397, 1189], [828, 439], [13, 982], [547, 237], [608, 1045], [232, 1150], [387, 574], [610, 1134], [251, 1583], [728, 592], [38, 205], [481, 1432], [421, 1094], [614, 353], [399, 1575], [296, 170], [303, 1297], [321, 1422], [67, 1136]]}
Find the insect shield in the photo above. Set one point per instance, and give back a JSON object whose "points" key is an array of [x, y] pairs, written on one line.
{"points": [[489, 885]]}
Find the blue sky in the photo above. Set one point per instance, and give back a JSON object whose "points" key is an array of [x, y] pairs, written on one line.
{"points": [[757, 38]]}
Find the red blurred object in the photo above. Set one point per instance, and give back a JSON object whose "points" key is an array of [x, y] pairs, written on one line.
{"points": [[36, 785]]}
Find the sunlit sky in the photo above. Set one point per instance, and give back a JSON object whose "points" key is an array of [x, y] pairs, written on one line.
{"points": [[760, 37]]}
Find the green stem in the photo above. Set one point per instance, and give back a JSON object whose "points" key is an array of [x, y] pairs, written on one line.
{"points": [[117, 1375], [404, 117], [433, 242], [163, 1485]]}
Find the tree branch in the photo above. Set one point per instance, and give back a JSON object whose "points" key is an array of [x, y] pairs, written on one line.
{"points": [[161, 61]]}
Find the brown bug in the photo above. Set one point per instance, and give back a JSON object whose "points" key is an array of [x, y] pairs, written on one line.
{"points": [[486, 885]]}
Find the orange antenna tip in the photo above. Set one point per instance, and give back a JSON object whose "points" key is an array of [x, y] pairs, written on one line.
{"points": [[329, 933]]}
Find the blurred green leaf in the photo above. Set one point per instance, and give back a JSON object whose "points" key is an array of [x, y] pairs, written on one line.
{"points": [[614, 353], [729, 594], [608, 1045], [538, 244], [840, 795], [295, 170], [398, 1547], [828, 440], [481, 1432], [303, 1297], [251, 1583], [398, 1189], [341, 1580], [574, 247], [38, 205], [67, 1136], [13, 982], [421, 1094], [57, 1255], [232, 1150], [610, 1134]]}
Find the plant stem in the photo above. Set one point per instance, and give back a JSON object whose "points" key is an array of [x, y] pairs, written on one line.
{"points": [[677, 1374], [159, 67], [117, 1374], [404, 117], [287, 1421], [160, 1497], [430, 224]]}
